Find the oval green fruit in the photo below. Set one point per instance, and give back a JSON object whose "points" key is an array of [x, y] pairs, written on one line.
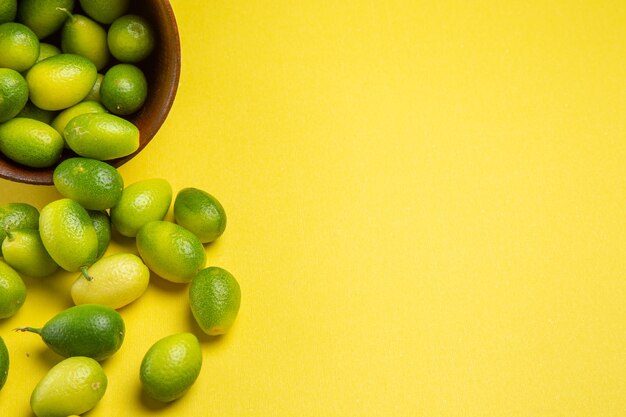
{"points": [[101, 136], [115, 281], [102, 224], [63, 118], [201, 213], [60, 81], [131, 38], [23, 250], [94, 93], [83, 36], [94, 184], [30, 111], [30, 142], [91, 330], [46, 50], [214, 298], [141, 202], [13, 93], [171, 366], [17, 216], [4, 363], [124, 89], [12, 291], [71, 387], [170, 250], [68, 234], [43, 17], [104, 11], [19, 46]]}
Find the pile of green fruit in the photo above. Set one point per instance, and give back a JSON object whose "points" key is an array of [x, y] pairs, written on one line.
{"points": [[73, 233], [68, 78]]}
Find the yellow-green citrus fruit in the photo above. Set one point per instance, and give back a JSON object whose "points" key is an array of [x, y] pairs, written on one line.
{"points": [[214, 298], [115, 281], [17, 216], [60, 81], [19, 46], [8, 10], [73, 386], [170, 250], [83, 36], [23, 250], [94, 184], [13, 93], [4, 363], [68, 234], [124, 89], [44, 17], [91, 330], [141, 202], [102, 136], [12, 291], [201, 213], [131, 38], [63, 118], [102, 224], [94, 93], [171, 366], [30, 142], [30, 111], [46, 50], [104, 11]]}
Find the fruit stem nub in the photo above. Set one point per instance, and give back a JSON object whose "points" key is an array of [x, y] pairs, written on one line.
{"points": [[7, 231], [67, 12], [28, 329], [83, 270]]}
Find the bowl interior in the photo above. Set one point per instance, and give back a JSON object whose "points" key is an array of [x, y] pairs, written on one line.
{"points": [[162, 70]]}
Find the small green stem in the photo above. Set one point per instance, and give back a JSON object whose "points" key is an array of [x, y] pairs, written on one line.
{"points": [[28, 329], [83, 270], [67, 12], [8, 233]]}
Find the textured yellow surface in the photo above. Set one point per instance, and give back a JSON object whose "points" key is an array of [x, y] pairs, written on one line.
{"points": [[426, 207]]}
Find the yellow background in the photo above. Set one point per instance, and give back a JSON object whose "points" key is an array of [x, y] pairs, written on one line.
{"points": [[426, 208]]}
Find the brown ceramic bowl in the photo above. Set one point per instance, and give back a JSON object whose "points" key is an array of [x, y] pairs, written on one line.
{"points": [[162, 70]]}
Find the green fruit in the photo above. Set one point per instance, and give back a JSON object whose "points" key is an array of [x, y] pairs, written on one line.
{"points": [[30, 111], [102, 224], [46, 50], [73, 386], [141, 202], [23, 250], [12, 291], [83, 36], [13, 93], [124, 89], [91, 330], [171, 366], [131, 38], [19, 46], [201, 213], [104, 11], [4, 363], [63, 118], [8, 10], [101, 136], [170, 250], [17, 216], [30, 142], [115, 281], [60, 81], [68, 234], [43, 17], [214, 298], [94, 184]]}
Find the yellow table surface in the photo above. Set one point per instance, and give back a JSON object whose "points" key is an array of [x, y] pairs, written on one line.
{"points": [[425, 206]]}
